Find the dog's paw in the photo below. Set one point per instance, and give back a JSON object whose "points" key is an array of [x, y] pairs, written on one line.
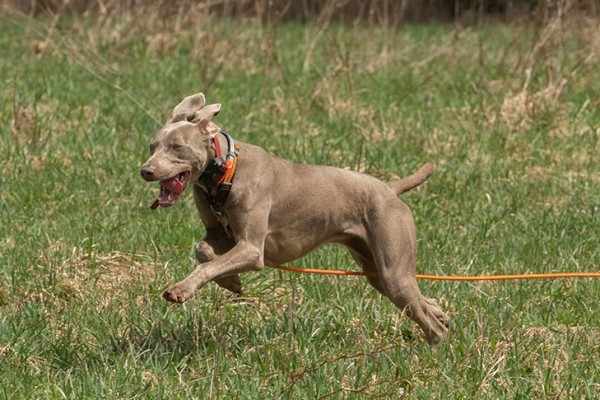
{"points": [[438, 322], [441, 316], [178, 293]]}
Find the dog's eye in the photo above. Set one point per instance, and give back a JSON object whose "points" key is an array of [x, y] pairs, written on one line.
{"points": [[190, 117], [176, 146], [152, 148]]}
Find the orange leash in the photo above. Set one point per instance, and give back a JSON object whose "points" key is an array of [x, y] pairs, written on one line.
{"points": [[449, 278]]}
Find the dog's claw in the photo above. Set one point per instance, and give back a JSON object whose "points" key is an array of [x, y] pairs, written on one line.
{"points": [[170, 298], [177, 294]]}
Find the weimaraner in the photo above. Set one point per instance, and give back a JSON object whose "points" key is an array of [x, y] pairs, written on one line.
{"points": [[262, 210]]}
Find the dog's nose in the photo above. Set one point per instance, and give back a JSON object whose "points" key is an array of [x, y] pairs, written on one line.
{"points": [[147, 172]]}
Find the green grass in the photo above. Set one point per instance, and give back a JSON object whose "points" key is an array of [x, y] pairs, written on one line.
{"points": [[84, 260]]}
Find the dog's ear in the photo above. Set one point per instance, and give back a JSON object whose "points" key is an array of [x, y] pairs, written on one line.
{"points": [[203, 119], [208, 129], [207, 112], [187, 109]]}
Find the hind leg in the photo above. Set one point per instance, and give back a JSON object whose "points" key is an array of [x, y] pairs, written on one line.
{"points": [[368, 266], [425, 312], [362, 256], [394, 251], [407, 299]]}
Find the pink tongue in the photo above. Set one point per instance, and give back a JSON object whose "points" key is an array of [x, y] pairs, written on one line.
{"points": [[173, 185], [170, 190]]}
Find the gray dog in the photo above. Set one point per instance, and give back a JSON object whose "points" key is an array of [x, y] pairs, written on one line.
{"points": [[276, 211]]}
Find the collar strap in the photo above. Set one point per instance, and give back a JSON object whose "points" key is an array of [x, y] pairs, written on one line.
{"points": [[219, 170], [217, 179]]}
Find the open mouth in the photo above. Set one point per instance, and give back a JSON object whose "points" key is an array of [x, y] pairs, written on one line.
{"points": [[171, 189]]}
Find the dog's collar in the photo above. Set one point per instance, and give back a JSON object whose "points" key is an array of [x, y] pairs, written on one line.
{"points": [[217, 179], [219, 171]]}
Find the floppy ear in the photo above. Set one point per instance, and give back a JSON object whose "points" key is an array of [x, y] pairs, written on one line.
{"points": [[187, 108], [207, 112], [203, 118], [208, 129]]}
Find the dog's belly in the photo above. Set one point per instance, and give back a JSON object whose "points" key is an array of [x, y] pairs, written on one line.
{"points": [[279, 250], [283, 246]]}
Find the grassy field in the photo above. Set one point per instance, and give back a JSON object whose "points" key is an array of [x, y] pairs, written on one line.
{"points": [[510, 114]]}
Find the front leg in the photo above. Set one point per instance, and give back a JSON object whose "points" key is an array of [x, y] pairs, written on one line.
{"points": [[241, 258], [205, 252]]}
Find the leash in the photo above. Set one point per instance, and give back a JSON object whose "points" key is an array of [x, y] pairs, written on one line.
{"points": [[552, 275]]}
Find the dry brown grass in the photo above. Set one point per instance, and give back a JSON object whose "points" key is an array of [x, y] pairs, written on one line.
{"points": [[87, 275], [24, 125], [540, 349], [519, 110], [277, 302]]}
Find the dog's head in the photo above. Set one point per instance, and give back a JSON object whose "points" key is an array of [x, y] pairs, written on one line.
{"points": [[179, 151]]}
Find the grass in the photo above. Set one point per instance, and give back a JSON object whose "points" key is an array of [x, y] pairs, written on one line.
{"points": [[84, 260]]}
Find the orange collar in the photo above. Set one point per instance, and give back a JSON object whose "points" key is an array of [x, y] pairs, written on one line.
{"points": [[219, 172]]}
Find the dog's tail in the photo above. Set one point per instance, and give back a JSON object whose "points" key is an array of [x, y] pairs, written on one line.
{"points": [[410, 182]]}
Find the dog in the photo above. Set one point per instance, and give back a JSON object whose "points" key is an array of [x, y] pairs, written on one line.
{"points": [[263, 210]]}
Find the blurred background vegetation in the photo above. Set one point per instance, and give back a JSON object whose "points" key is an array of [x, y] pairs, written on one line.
{"points": [[381, 12]]}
